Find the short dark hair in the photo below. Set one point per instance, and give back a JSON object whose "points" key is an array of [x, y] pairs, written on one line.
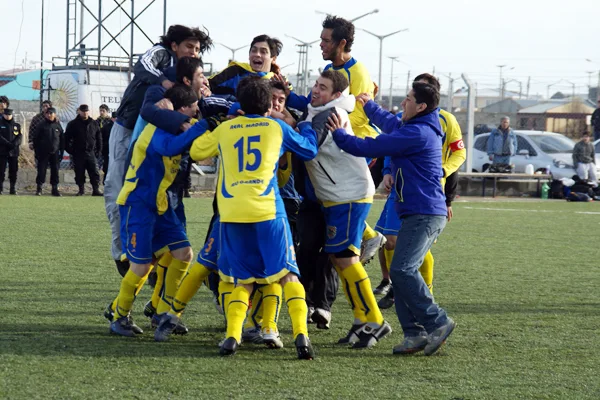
{"points": [[432, 80], [342, 29], [427, 94], [181, 96], [340, 82], [178, 33], [279, 86], [275, 45], [186, 68], [4, 99], [47, 102], [585, 133], [104, 107], [254, 95]]}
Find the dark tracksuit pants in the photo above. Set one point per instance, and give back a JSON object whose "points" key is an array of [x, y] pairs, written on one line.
{"points": [[318, 276], [13, 167], [43, 161], [83, 162]]}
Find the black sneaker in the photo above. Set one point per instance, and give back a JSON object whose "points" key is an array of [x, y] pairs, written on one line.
{"points": [[304, 348], [352, 336], [383, 288], [229, 347], [369, 335], [387, 301], [122, 327], [109, 314], [167, 325], [180, 329]]}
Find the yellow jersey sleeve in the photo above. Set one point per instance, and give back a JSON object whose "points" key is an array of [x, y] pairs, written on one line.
{"points": [[360, 82], [283, 174], [454, 153], [205, 146]]}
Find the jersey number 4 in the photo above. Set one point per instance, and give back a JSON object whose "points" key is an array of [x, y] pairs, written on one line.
{"points": [[245, 152]]}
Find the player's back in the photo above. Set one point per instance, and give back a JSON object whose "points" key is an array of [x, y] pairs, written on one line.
{"points": [[250, 147]]}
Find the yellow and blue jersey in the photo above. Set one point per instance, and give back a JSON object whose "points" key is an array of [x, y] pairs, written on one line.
{"points": [[154, 165], [454, 153], [250, 147], [226, 81]]}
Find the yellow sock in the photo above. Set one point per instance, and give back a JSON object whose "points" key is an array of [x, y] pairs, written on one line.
{"points": [[271, 304], [189, 286], [113, 305], [295, 298], [360, 289], [129, 287], [426, 270], [369, 233], [175, 273], [225, 290], [161, 270], [358, 312], [389, 254], [255, 310], [236, 312]]}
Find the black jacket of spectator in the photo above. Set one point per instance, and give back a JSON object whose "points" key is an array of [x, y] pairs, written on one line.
{"points": [[10, 138], [48, 137], [105, 131], [83, 137]]}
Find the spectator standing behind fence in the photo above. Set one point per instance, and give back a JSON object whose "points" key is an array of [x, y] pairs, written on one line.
{"points": [[584, 159], [83, 141], [10, 143], [596, 122], [35, 121], [502, 143], [4, 103], [49, 144], [105, 131]]}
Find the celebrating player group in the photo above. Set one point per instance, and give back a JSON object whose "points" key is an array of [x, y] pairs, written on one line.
{"points": [[296, 181]]}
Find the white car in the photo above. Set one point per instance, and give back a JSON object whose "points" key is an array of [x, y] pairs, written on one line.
{"points": [[544, 150]]}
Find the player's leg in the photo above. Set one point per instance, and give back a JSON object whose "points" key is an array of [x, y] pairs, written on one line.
{"points": [[426, 270], [266, 302], [383, 227], [161, 269]]}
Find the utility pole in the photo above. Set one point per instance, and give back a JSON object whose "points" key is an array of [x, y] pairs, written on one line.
{"points": [[450, 93], [408, 82], [528, 84], [42, 60], [391, 83], [470, 121], [303, 63], [381, 38]]}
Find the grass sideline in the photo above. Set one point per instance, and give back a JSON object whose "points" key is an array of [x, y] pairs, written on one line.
{"points": [[520, 279]]}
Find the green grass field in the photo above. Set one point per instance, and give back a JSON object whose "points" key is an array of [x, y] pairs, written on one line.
{"points": [[520, 279]]}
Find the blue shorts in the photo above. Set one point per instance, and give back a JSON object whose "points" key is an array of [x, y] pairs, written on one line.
{"points": [[389, 223], [345, 226], [261, 252], [144, 233], [209, 254]]}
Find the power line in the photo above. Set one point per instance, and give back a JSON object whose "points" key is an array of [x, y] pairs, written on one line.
{"points": [[20, 30]]}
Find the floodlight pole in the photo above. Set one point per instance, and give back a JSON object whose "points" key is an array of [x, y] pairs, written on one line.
{"points": [[470, 121]]}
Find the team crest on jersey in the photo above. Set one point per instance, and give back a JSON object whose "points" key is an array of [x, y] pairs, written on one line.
{"points": [[331, 232]]}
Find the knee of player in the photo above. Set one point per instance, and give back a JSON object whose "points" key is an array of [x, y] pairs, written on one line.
{"points": [[391, 242], [184, 254], [344, 259], [139, 269], [290, 277]]}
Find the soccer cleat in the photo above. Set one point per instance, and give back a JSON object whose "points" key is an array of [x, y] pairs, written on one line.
{"points": [[168, 323], [352, 336], [271, 338], [370, 247], [109, 314], [136, 329], [369, 336], [410, 345], [229, 347], [386, 301], [438, 337], [180, 329], [322, 318], [253, 335], [304, 348], [383, 288], [122, 326], [311, 311], [149, 309]]}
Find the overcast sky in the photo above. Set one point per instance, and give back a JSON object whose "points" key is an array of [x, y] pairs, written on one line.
{"points": [[546, 40]]}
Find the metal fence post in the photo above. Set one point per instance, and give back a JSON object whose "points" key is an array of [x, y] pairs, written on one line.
{"points": [[470, 122]]}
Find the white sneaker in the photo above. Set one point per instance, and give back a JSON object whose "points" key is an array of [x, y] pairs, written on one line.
{"points": [[322, 318], [369, 248], [311, 311], [271, 338]]}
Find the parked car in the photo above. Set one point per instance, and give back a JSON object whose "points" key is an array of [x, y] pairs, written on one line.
{"points": [[541, 149]]}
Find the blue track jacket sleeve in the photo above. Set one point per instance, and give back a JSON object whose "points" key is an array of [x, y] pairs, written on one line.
{"points": [[166, 120], [169, 145], [387, 166], [303, 144], [383, 119], [298, 102], [151, 64], [394, 144]]}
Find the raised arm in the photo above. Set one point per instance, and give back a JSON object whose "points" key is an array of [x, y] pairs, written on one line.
{"points": [[167, 120], [170, 145], [303, 144], [384, 120]]}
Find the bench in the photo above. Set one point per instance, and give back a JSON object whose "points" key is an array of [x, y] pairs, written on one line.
{"points": [[496, 176]]}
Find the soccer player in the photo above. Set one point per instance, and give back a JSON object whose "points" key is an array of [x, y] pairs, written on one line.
{"points": [[180, 41], [337, 38], [149, 226], [256, 243], [453, 156], [415, 145], [343, 185]]}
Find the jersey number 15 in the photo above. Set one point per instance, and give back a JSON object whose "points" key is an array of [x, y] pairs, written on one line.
{"points": [[247, 151]]}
